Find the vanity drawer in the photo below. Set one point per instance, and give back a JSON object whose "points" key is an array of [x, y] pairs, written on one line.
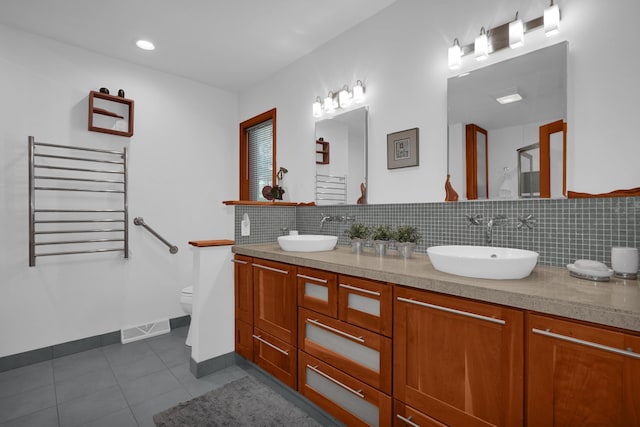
{"points": [[406, 416], [351, 401], [362, 353], [318, 291], [244, 339], [275, 356], [366, 303]]}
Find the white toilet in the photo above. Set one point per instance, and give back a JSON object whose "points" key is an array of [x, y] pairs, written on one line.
{"points": [[186, 301]]}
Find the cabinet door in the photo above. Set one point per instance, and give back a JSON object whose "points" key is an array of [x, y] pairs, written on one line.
{"points": [[276, 357], [366, 303], [317, 290], [363, 354], [274, 299], [351, 401], [581, 375], [244, 339], [243, 288], [458, 361]]}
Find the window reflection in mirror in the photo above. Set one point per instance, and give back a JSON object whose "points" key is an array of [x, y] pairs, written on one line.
{"points": [[341, 158], [540, 78]]}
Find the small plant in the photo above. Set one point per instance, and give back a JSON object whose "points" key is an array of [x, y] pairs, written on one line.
{"points": [[406, 233], [382, 232], [359, 231]]}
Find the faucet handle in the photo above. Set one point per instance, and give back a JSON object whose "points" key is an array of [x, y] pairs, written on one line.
{"points": [[473, 220], [528, 221]]}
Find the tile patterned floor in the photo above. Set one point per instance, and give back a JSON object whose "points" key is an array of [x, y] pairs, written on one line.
{"points": [[117, 385]]}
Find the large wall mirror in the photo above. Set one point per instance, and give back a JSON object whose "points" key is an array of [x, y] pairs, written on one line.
{"points": [[507, 128], [341, 158]]}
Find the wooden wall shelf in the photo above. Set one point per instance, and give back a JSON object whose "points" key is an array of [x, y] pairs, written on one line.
{"points": [[110, 114], [322, 148]]}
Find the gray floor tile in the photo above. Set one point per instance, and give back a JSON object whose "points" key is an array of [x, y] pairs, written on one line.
{"points": [[144, 411], [122, 354], [26, 378], [199, 386], [139, 368], [91, 407], [45, 418], [167, 341], [149, 386], [78, 364], [121, 418], [27, 402], [175, 355], [85, 384]]}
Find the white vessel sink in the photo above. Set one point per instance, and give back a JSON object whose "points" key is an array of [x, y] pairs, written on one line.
{"points": [[307, 243], [483, 262]]}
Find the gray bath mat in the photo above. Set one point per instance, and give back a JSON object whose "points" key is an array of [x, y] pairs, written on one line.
{"points": [[243, 402]]}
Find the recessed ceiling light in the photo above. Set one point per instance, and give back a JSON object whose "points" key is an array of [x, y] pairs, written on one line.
{"points": [[145, 44], [508, 99]]}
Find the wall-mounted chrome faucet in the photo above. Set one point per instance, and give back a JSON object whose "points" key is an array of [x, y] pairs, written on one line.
{"points": [[498, 220], [337, 218]]}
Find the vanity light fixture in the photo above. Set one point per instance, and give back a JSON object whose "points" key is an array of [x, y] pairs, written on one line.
{"points": [[342, 99], [510, 34], [145, 45], [516, 33], [455, 55], [551, 20], [317, 107], [328, 103], [481, 46], [358, 92]]}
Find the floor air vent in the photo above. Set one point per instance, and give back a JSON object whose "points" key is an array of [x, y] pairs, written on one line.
{"points": [[147, 330]]}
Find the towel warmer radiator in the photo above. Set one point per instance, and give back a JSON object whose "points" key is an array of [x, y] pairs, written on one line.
{"points": [[331, 189], [69, 195]]}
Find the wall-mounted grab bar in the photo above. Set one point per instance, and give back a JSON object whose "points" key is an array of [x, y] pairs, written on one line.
{"points": [[58, 209], [140, 221]]}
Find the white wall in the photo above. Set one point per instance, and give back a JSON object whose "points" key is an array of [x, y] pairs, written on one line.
{"points": [[184, 146], [401, 56]]}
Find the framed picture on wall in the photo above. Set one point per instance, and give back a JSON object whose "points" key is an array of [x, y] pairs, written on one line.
{"points": [[402, 149]]}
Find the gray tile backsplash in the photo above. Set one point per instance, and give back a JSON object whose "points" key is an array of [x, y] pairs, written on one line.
{"points": [[566, 230]]}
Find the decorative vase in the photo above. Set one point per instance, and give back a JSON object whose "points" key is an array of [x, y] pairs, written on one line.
{"points": [[357, 245], [381, 247], [405, 249]]}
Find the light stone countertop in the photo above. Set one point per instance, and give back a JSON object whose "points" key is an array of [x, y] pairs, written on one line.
{"points": [[547, 290]]}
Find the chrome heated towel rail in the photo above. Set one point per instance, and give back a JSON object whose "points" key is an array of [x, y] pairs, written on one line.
{"points": [[69, 194], [140, 221], [331, 189]]}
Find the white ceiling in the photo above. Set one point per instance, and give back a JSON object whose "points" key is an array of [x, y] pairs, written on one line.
{"points": [[228, 44]]}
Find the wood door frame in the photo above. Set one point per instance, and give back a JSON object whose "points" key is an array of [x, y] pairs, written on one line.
{"points": [[545, 157], [472, 160], [244, 150]]}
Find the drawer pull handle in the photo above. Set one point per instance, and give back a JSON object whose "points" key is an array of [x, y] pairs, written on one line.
{"points": [[451, 310], [239, 261], [548, 333], [277, 270], [262, 340], [315, 279], [335, 381], [407, 420], [337, 331], [364, 291]]}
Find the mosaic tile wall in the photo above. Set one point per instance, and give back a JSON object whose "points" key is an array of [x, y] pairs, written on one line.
{"points": [[566, 230]]}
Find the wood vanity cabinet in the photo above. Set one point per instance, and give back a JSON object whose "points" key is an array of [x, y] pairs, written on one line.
{"points": [[274, 319], [366, 303], [457, 361], [581, 375], [318, 291], [344, 360], [243, 292]]}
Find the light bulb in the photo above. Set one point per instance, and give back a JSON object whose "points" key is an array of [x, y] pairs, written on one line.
{"points": [[455, 55], [481, 46]]}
